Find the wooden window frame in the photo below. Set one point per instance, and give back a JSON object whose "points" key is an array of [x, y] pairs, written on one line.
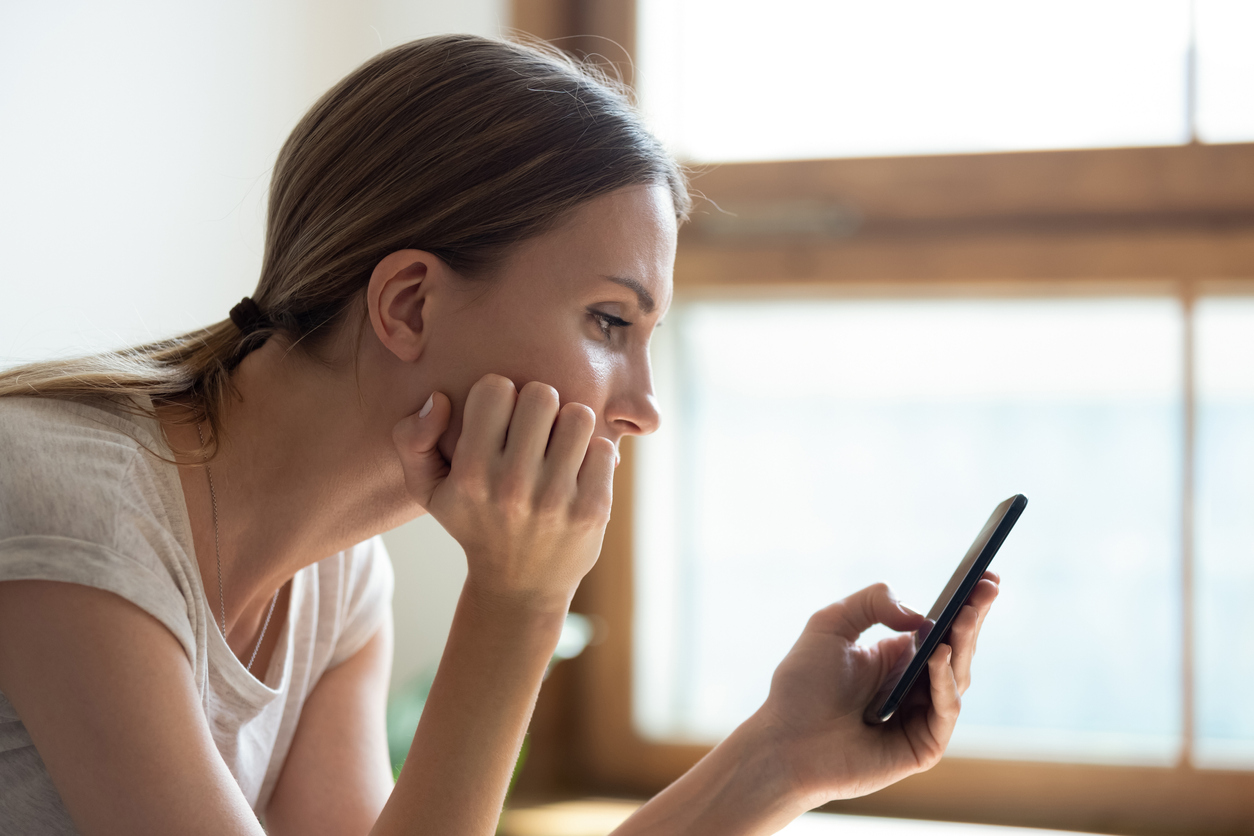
{"points": [[1176, 220]]}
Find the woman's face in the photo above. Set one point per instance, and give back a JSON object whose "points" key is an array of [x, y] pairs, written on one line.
{"points": [[573, 308]]}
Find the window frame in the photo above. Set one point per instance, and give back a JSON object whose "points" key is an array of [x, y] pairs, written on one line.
{"points": [[1109, 222]]}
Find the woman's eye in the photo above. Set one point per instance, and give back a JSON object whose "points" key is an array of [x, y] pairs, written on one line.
{"points": [[608, 322]]}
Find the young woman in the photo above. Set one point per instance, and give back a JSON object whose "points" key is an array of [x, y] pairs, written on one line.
{"points": [[469, 243]]}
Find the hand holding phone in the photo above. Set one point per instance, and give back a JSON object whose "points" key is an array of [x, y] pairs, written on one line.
{"points": [[897, 683], [812, 718]]}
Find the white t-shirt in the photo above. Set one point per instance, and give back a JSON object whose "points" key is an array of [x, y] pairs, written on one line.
{"points": [[82, 501]]}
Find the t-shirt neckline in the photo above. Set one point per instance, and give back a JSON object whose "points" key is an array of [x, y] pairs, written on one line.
{"points": [[221, 659]]}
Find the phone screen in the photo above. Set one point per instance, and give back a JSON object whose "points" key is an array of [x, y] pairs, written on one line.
{"points": [[897, 684]]}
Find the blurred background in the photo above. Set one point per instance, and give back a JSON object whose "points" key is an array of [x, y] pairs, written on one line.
{"points": [[942, 253]]}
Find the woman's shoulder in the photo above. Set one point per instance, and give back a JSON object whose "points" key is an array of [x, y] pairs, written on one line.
{"points": [[85, 478], [53, 429], [360, 575], [61, 460], [361, 581], [85, 498]]}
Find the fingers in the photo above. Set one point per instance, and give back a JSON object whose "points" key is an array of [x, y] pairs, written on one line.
{"points": [[526, 494], [962, 641], [539, 448], [524, 427], [584, 463], [534, 411], [946, 696], [890, 651], [874, 605], [981, 599], [416, 437], [596, 480], [983, 595], [569, 445], [965, 631], [486, 417]]}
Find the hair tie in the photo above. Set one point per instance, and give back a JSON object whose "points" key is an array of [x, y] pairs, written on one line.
{"points": [[248, 317]]}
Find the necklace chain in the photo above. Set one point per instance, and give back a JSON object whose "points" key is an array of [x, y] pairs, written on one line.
{"points": [[217, 551]]}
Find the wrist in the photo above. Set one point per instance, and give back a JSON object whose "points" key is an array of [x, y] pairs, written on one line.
{"points": [[768, 753], [741, 788], [518, 607]]}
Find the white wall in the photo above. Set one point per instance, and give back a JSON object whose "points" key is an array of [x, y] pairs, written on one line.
{"points": [[136, 140]]}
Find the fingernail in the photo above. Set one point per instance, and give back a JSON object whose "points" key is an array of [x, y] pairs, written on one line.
{"points": [[426, 407], [906, 609], [618, 457]]}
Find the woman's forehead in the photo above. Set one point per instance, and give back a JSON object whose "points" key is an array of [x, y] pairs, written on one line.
{"points": [[624, 238]]}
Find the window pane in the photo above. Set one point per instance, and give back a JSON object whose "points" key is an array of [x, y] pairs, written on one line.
{"points": [[735, 80], [812, 448], [1225, 532], [1225, 70]]}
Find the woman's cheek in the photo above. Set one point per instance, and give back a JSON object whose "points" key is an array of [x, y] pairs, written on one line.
{"points": [[597, 375]]}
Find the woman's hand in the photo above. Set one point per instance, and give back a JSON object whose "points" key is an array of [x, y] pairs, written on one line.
{"points": [[528, 491], [819, 691], [527, 495], [807, 744]]}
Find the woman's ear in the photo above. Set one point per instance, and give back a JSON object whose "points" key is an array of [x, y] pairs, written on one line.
{"points": [[397, 300]]}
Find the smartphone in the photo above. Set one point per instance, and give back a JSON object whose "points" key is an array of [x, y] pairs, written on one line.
{"points": [[897, 684]]}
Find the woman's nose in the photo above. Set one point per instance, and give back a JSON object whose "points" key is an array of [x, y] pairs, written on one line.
{"points": [[642, 418], [633, 410]]}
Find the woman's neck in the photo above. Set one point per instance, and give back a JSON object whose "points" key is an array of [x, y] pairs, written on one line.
{"points": [[304, 468]]}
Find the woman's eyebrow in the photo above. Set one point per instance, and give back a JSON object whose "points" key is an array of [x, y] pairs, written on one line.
{"points": [[643, 297]]}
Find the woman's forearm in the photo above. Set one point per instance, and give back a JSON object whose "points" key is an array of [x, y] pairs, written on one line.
{"points": [[459, 765], [741, 788]]}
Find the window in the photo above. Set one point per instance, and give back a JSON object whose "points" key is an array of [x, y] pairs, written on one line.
{"points": [[814, 78], [845, 263], [813, 447], [1225, 532]]}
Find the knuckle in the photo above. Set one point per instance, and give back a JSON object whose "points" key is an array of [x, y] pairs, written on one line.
{"points": [[867, 601], [496, 384], [472, 486], [513, 507], [471, 473], [512, 489], [967, 619], [594, 508], [552, 499], [539, 393], [603, 447], [580, 415]]}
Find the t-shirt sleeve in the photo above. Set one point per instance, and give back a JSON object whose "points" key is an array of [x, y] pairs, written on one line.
{"points": [[62, 559], [367, 598], [73, 510]]}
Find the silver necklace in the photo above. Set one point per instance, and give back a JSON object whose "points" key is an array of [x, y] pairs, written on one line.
{"points": [[213, 499]]}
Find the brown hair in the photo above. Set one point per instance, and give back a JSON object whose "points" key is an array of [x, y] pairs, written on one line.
{"points": [[458, 145]]}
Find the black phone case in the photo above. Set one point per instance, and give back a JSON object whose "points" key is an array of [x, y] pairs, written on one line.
{"points": [[875, 715]]}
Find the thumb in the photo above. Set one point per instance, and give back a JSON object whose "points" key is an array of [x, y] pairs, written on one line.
{"points": [[416, 437], [891, 648], [874, 605]]}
